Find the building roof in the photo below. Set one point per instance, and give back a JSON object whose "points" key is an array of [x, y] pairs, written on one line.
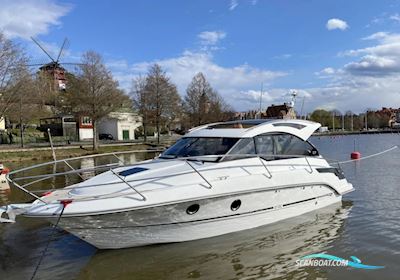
{"points": [[250, 128], [276, 111]]}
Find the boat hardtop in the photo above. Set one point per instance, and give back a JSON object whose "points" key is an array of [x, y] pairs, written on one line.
{"points": [[250, 128]]}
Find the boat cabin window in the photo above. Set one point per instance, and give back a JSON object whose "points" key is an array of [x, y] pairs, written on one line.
{"points": [[200, 146], [287, 144], [283, 144], [245, 147], [264, 144]]}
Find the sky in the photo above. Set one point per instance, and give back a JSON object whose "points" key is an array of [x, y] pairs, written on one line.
{"points": [[339, 54]]}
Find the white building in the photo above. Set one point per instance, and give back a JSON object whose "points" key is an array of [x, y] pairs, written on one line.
{"points": [[85, 128], [2, 124], [323, 129], [120, 125]]}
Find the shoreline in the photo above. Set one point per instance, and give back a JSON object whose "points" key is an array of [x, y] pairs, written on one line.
{"points": [[341, 132], [45, 153]]}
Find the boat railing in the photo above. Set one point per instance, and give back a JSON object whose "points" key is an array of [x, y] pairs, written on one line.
{"points": [[24, 180]]}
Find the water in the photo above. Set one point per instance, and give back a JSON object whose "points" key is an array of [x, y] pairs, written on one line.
{"points": [[365, 225]]}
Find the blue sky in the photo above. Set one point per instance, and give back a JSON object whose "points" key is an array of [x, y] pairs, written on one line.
{"points": [[336, 54]]}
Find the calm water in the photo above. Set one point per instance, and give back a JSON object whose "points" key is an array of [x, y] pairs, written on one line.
{"points": [[366, 225]]}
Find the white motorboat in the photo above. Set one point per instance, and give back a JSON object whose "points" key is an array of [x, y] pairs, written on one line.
{"points": [[217, 179]]}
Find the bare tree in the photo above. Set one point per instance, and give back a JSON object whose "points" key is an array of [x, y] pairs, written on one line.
{"points": [[219, 110], [93, 92], [27, 105], [197, 99], [162, 95], [13, 73], [203, 104], [141, 101]]}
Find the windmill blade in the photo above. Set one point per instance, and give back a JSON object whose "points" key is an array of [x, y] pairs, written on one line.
{"points": [[36, 64], [63, 47], [73, 63], [37, 43]]}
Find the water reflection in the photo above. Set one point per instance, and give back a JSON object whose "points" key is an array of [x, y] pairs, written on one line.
{"points": [[4, 194], [87, 163], [266, 252], [269, 251], [3, 183]]}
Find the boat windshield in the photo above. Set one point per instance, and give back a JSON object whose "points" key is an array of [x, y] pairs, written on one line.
{"points": [[200, 146]]}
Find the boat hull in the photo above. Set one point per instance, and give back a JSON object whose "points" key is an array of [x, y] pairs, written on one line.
{"points": [[171, 223]]}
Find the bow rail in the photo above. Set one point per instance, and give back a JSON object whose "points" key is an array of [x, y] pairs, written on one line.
{"points": [[24, 180]]}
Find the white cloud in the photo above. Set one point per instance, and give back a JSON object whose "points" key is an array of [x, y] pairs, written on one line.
{"points": [[377, 36], [283, 56], [371, 80], [381, 59], [373, 65], [250, 99], [233, 83], [335, 23], [356, 94], [211, 37], [233, 4], [328, 70], [24, 18], [395, 17]]}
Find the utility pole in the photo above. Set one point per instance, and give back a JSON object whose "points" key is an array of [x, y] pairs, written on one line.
{"points": [[302, 106], [261, 95], [352, 122], [342, 122], [366, 120], [333, 121], [21, 129]]}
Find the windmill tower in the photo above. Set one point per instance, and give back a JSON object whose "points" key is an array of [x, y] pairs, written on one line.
{"points": [[54, 69]]}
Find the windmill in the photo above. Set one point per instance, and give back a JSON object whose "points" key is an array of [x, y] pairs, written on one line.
{"points": [[54, 68]]}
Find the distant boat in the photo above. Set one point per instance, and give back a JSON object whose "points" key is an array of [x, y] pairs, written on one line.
{"points": [[3, 181]]}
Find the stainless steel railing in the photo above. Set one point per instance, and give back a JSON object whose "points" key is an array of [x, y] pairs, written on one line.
{"points": [[31, 180]]}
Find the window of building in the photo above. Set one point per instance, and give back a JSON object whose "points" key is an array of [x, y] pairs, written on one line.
{"points": [[86, 121]]}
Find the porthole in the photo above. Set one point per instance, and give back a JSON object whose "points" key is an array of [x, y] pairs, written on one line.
{"points": [[236, 205], [192, 209]]}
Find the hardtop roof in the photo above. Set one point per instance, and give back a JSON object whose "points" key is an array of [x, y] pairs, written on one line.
{"points": [[250, 128]]}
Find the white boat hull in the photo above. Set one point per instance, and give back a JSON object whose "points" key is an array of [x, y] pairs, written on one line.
{"points": [[135, 228]]}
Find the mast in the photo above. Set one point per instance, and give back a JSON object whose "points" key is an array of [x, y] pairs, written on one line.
{"points": [[261, 94]]}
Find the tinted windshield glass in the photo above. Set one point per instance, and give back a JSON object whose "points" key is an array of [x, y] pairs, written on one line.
{"points": [[286, 144], [201, 146], [283, 144], [244, 148]]}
